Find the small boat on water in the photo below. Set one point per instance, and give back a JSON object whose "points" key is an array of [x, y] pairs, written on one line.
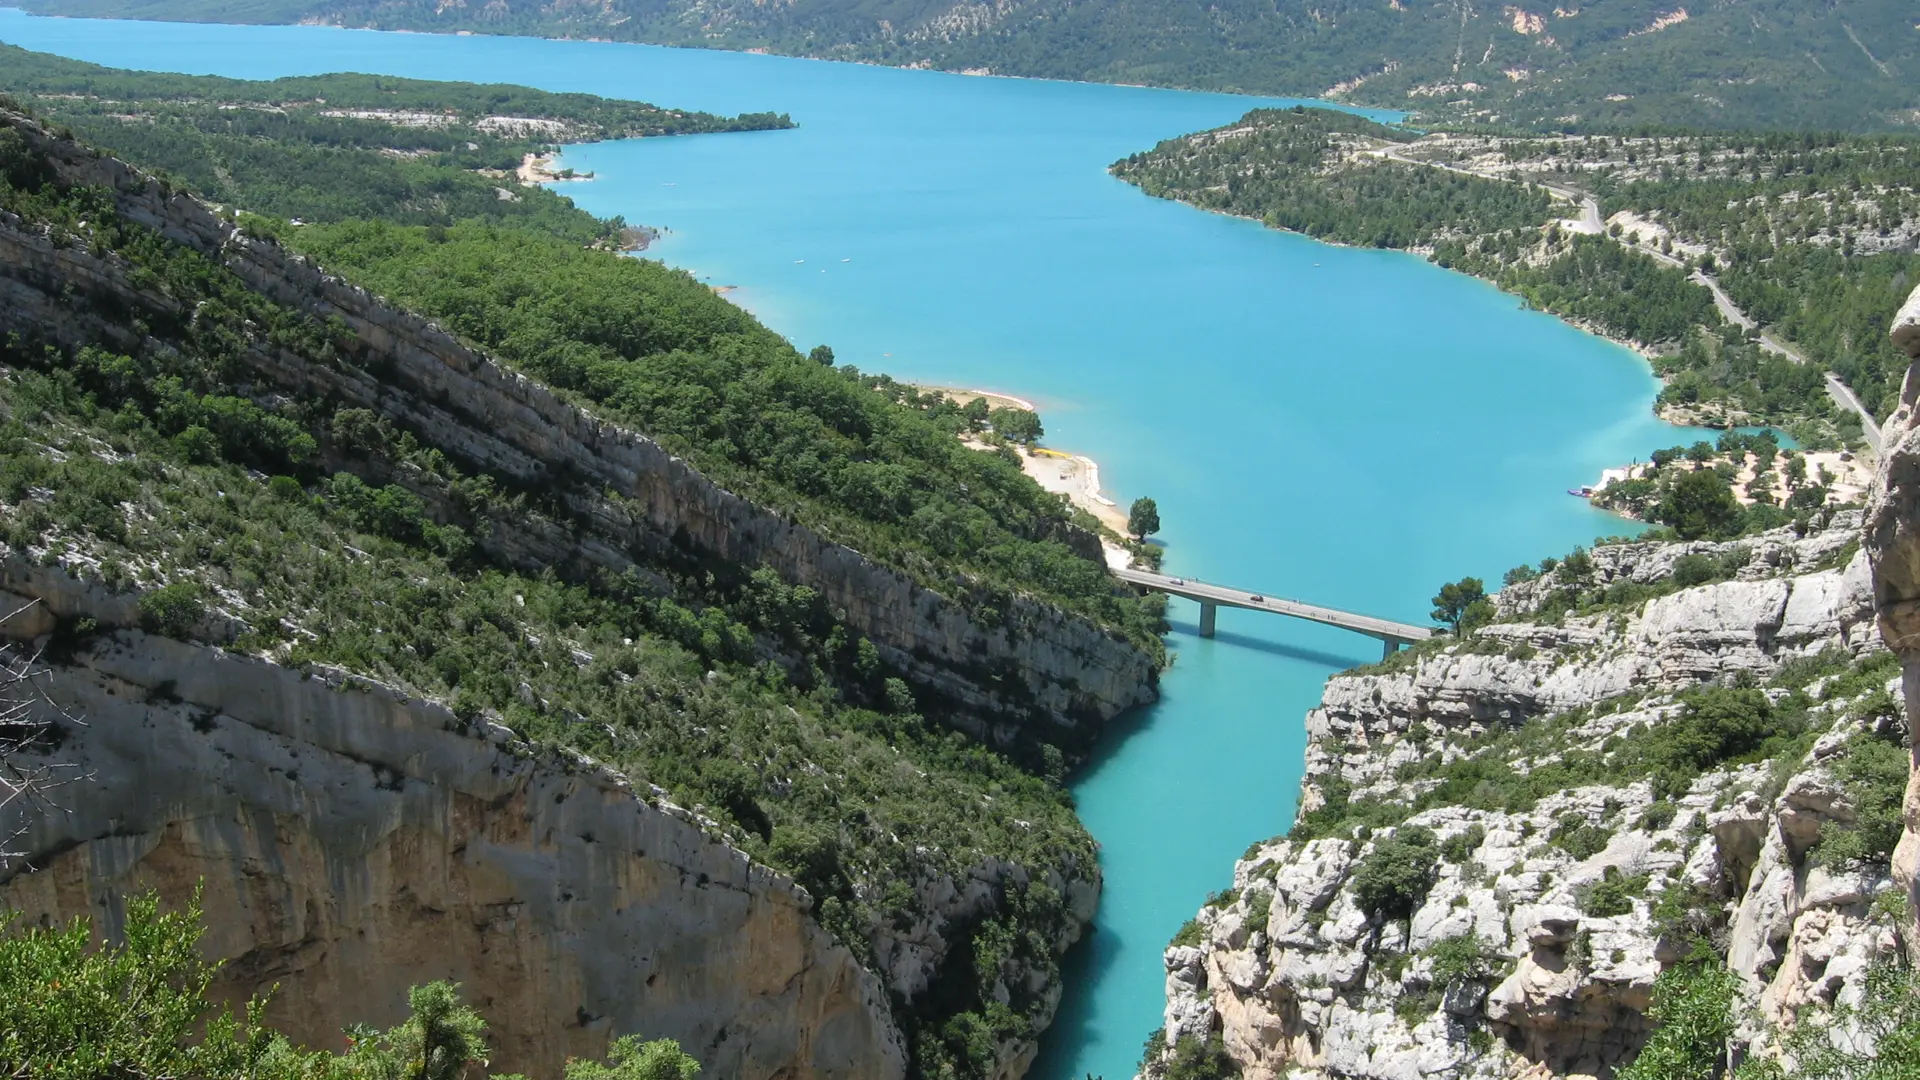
{"points": [[1582, 492]]}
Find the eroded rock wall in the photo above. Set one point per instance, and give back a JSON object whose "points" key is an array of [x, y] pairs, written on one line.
{"points": [[349, 841], [1299, 977], [1893, 545]]}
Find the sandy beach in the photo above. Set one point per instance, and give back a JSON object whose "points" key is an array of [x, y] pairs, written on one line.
{"points": [[995, 400], [538, 169], [1074, 475], [1078, 478]]}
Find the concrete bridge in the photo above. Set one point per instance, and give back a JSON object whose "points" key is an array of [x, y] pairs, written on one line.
{"points": [[1213, 597]]}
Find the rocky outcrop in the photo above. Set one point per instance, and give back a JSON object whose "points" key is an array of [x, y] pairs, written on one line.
{"points": [[1893, 545], [348, 840], [1033, 666], [1527, 937]]}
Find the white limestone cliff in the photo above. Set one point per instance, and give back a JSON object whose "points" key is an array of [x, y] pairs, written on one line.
{"points": [[1296, 978], [1893, 545]]}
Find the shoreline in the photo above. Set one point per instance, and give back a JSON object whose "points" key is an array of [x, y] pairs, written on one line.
{"points": [[1425, 254], [537, 169], [1060, 472], [995, 399]]}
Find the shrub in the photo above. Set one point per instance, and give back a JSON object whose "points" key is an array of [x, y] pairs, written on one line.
{"points": [[1873, 773], [1259, 906], [1459, 847], [1700, 504], [1189, 934], [1394, 878], [1338, 814], [1613, 894], [1681, 912], [1718, 725], [1690, 570], [1578, 838], [812, 855], [631, 1059], [1412, 1008], [1462, 958], [1657, 816], [1883, 1042], [172, 610], [1693, 1017], [197, 445], [1196, 1060], [76, 1008]]}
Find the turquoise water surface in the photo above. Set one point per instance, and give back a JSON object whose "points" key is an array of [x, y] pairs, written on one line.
{"points": [[1344, 426]]}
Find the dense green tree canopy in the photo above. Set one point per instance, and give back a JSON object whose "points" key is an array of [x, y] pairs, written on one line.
{"points": [[1700, 504], [1455, 599]]}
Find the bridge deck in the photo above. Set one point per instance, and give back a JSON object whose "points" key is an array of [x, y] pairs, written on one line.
{"points": [[1224, 596]]}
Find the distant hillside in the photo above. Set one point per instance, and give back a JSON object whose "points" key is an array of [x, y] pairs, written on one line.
{"points": [[1852, 64]]}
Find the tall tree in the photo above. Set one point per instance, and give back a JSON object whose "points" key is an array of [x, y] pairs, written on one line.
{"points": [[1020, 425], [1455, 597], [1143, 518]]}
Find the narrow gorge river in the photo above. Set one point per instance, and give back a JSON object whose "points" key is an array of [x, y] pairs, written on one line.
{"points": [[1344, 426]]}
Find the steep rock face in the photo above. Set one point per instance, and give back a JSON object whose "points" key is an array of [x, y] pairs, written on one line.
{"points": [[350, 841], [1536, 946], [1035, 665], [1893, 545]]}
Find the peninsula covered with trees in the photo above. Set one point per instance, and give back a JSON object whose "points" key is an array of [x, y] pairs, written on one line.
{"points": [[328, 147]]}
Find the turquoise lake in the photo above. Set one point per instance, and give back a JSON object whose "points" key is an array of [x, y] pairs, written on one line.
{"points": [[1343, 426]]}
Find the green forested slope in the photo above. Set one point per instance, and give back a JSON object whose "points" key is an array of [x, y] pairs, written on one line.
{"points": [[646, 344], [1850, 64]]}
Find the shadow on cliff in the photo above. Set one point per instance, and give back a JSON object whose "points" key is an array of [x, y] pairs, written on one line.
{"points": [[1337, 661], [1075, 1025]]}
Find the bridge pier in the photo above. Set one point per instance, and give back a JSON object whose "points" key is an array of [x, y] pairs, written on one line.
{"points": [[1392, 646], [1207, 614]]}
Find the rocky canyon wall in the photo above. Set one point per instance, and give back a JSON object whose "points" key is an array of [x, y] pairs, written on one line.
{"points": [[1534, 947], [1893, 545], [349, 841], [1481, 929]]}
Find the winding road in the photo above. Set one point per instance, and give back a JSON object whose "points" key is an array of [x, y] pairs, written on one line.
{"points": [[1840, 392], [1590, 222]]}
